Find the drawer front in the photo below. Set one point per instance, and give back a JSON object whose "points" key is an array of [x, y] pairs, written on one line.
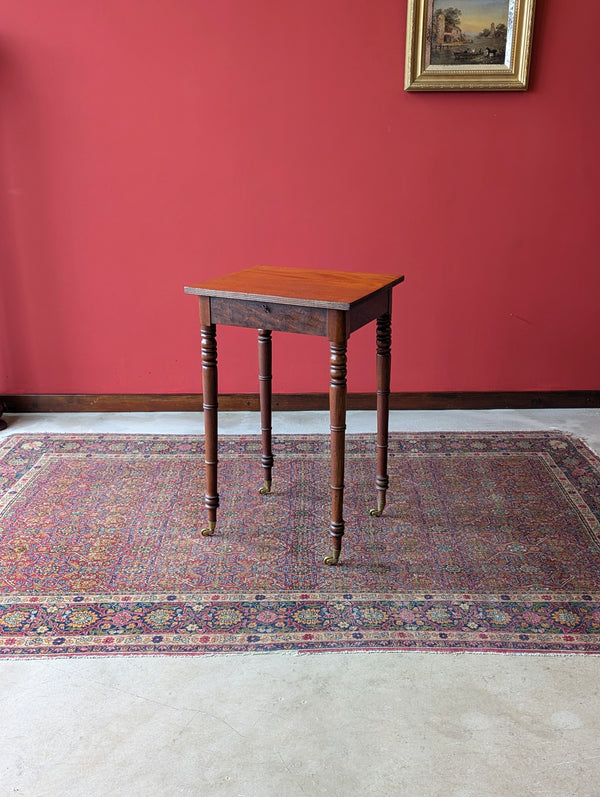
{"points": [[265, 315]]}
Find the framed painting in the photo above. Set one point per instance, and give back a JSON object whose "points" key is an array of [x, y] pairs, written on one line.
{"points": [[473, 45]]}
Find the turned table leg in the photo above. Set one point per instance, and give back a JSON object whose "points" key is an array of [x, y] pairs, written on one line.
{"points": [[265, 385], [210, 408], [337, 418], [384, 338]]}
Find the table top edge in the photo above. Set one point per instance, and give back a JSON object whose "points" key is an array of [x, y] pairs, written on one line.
{"points": [[204, 289]]}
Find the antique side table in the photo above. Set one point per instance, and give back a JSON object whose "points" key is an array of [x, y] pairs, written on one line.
{"points": [[328, 303]]}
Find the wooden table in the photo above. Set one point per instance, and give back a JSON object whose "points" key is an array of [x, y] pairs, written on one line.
{"points": [[328, 303]]}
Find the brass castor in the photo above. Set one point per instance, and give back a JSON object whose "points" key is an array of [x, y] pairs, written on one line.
{"points": [[208, 532], [379, 511], [266, 488], [332, 559]]}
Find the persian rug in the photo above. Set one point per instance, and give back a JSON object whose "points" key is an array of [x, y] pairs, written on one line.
{"points": [[489, 542]]}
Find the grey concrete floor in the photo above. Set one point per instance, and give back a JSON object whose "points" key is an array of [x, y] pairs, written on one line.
{"points": [[422, 724]]}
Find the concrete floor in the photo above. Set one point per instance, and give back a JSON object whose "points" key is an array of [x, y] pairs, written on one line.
{"points": [[415, 724]]}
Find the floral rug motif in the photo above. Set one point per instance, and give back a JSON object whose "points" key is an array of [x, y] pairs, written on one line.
{"points": [[489, 542]]}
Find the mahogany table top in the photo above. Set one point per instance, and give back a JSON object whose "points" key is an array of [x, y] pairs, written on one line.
{"points": [[335, 290]]}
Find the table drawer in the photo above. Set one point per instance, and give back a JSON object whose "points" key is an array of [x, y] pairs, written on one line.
{"points": [[268, 315]]}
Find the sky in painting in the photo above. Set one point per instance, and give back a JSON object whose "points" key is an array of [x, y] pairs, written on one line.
{"points": [[477, 14]]}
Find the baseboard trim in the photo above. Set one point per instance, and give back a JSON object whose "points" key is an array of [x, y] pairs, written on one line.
{"points": [[297, 402]]}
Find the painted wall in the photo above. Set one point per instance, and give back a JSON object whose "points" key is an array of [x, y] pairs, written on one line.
{"points": [[148, 144]]}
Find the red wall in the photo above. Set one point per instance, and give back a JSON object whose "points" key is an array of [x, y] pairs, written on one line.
{"points": [[148, 144]]}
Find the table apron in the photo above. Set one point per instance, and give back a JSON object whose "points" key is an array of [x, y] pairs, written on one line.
{"points": [[289, 317], [268, 315], [368, 309]]}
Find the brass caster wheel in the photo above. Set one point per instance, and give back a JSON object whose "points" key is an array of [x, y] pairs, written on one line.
{"points": [[265, 489], [380, 507], [210, 530], [332, 559]]}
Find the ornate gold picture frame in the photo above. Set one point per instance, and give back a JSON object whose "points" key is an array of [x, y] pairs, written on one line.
{"points": [[468, 45]]}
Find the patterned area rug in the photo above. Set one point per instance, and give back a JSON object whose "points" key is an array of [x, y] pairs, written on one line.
{"points": [[489, 542]]}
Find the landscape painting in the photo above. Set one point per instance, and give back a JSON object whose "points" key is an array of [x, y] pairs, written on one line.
{"points": [[468, 45], [472, 32]]}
